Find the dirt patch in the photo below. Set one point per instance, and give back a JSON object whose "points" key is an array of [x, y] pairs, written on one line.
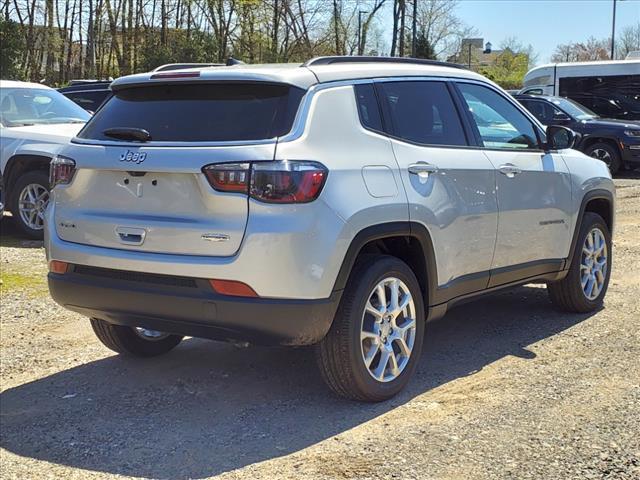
{"points": [[507, 388]]}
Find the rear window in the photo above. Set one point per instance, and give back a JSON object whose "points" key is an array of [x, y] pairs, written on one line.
{"points": [[200, 112]]}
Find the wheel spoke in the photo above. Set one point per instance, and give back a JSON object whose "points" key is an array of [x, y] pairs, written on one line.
{"points": [[393, 364], [590, 284], [382, 364], [364, 335], [405, 302], [394, 290], [584, 279], [376, 312], [371, 353], [409, 324], [404, 348], [382, 296]]}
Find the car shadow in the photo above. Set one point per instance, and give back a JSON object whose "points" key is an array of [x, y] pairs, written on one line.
{"points": [[628, 174], [12, 237], [208, 407]]}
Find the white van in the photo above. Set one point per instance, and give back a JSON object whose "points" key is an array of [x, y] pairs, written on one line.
{"points": [[609, 88]]}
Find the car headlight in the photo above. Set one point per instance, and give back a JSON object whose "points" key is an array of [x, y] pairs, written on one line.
{"points": [[632, 133]]}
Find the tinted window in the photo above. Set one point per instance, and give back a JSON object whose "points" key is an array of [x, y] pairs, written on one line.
{"points": [[499, 122], [543, 111], [615, 95], [422, 112], [200, 112], [368, 107], [90, 100]]}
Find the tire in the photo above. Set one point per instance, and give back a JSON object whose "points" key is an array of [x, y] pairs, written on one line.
{"points": [[568, 294], [341, 354], [125, 340], [41, 180], [606, 153]]}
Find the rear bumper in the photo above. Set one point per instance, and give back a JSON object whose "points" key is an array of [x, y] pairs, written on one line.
{"points": [[188, 306]]}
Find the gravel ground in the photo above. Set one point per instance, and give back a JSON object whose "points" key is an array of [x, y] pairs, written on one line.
{"points": [[507, 388]]}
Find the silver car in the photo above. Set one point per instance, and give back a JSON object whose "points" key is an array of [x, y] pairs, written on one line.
{"points": [[342, 203], [35, 121]]}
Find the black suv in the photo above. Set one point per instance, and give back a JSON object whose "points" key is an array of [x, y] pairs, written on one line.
{"points": [[89, 94], [615, 142]]}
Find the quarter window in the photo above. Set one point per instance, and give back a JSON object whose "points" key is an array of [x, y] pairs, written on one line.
{"points": [[422, 112], [500, 124], [368, 107]]}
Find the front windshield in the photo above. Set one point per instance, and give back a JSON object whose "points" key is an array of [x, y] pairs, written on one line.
{"points": [[574, 109], [36, 106]]}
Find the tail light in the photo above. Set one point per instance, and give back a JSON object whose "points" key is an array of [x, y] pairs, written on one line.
{"points": [[228, 177], [61, 171], [270, 182]]}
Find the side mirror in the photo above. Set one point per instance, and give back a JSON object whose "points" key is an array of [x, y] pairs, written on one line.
{"points": [[559, 138], [561, 118]]}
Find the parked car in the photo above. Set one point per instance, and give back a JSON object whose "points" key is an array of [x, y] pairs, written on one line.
{"points": [[339, 204], [609, 88], [90, 95], [615, 142], [35, 121]]}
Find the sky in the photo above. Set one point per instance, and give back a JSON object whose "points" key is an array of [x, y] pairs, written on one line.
{"points": [[546, 23]]}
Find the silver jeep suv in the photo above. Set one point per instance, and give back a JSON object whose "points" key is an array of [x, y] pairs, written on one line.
{"points": [[342, 203]]}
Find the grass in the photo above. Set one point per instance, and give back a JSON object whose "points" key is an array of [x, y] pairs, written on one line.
{"points": [[34, 283]]}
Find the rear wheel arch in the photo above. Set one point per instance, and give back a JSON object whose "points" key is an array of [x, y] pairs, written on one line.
{"points": [[408, 241], [20, 164]]}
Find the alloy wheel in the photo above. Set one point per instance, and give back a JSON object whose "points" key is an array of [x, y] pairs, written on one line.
{"points": [[602, 155], [32, 203], [593, 265], [151, 335], [388, 329]]}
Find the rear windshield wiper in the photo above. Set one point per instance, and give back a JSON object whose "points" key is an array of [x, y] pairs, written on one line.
{"points": [[128, 133]]}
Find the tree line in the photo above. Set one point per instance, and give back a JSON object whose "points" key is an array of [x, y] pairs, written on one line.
{"points": [[58, 40], [628, 40]]}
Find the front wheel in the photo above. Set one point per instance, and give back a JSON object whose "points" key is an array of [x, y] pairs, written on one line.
{"points": [[136, 341], [584, 287], [606, 153], [375, 341]]}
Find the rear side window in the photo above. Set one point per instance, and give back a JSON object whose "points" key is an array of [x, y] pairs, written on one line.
{"points": [[204, 112], [422, 112], [368, 108]]}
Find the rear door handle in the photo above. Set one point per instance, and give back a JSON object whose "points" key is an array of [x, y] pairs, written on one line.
{"points": [[509, 169], [422, 170]]}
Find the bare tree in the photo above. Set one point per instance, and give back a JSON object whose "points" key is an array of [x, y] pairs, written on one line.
{"points": [[628, 41]]}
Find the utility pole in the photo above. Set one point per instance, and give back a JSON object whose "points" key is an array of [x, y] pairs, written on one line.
{"points": [[613, 31], [360, 45], [414, 29]]}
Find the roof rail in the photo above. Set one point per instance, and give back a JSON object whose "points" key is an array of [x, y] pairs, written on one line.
{"points": [[363, 59]]}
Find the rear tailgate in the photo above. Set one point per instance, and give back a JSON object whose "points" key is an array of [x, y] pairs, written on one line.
{"points": [[152, 196], [164, 204]]}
